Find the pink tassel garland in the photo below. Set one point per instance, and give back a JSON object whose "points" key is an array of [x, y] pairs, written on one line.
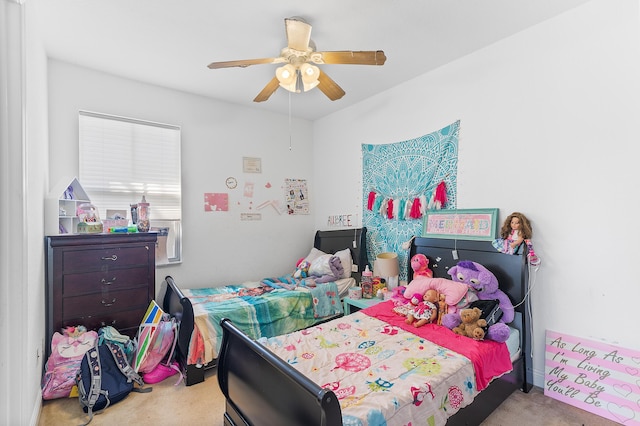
{"points": [[415, 209], [440, 196], [371, 200], [390, 209]]}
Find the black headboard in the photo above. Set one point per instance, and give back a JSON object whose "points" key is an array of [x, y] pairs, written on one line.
{"points": [[354, 239]]}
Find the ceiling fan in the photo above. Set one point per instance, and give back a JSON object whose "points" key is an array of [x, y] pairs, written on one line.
{"points": [[299, 74]]}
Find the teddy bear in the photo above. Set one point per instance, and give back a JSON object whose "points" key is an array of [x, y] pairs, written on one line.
{"points": [[471, 324], [420, 266], [485, 285], [425, 309]]}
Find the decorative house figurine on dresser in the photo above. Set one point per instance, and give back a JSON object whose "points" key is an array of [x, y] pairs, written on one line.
{"points": [[61, 207]]}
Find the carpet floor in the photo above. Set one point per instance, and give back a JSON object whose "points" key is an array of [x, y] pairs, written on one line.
{"points": [[203, 404]]}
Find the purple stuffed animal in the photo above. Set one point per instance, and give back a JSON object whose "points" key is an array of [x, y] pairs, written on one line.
{"points": [[486, 285], [335, 266]]}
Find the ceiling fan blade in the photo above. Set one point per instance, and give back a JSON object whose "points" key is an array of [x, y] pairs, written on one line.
{"points": [[329, 87], [366, 57], [298, 33], [245, 63], [268, 90]]}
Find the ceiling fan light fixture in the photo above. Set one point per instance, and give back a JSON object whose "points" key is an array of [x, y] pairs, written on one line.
{"points": [[297, 80], [286, 76], [310, 74]]}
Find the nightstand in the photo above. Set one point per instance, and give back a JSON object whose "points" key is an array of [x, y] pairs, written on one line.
{"points": [[358, 303]]}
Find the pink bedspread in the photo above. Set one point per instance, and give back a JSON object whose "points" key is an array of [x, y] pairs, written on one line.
{"points": [[490, 359]]}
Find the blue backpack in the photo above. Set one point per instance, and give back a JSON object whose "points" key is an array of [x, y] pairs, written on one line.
{"points": [[105, 377]]}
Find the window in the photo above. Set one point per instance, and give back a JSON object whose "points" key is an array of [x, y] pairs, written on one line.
{"points": [[122, 159]]}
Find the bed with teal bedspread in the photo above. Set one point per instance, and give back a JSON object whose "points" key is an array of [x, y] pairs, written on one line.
{"points": [[259, 311]]}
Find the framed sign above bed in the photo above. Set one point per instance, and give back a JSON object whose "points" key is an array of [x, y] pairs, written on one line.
{"points": [[468, 224]]}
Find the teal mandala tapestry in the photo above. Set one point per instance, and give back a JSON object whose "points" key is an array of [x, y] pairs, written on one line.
{"points": [[400, 181]]}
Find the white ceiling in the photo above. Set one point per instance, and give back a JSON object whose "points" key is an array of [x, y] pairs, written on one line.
{"points": [[170, 43]]}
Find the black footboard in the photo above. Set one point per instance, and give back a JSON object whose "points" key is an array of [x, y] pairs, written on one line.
{"points": [[260, 388], [178, 306]]}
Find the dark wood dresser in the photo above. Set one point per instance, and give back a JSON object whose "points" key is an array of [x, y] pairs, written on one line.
{"points": [[98, 279]]}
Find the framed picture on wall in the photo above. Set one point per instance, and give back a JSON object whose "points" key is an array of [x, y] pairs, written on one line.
{"points": [[468, 224], [251, 165]]}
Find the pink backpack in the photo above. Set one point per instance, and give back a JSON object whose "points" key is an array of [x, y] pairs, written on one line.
{"points": [[63, 364], [161, 346]]}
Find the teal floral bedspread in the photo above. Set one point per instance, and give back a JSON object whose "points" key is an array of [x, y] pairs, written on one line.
{"points": [[262, 311]]}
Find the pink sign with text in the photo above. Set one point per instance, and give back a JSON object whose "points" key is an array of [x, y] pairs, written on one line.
{"points": [[594, 376]]}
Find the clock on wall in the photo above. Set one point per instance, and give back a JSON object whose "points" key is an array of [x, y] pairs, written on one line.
{"points": [[231, 182]]}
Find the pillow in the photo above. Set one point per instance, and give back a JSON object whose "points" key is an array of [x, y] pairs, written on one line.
{"points": [[334, 265], [314, 254], [453, 291], [321, 266], [347, 262]]}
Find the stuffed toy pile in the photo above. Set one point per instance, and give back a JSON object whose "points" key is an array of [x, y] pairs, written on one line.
{"points": [[457, 295], [485, 284], [470, 281]]}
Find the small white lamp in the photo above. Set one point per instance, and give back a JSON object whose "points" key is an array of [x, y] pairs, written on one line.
{"points": [[386, 266]]}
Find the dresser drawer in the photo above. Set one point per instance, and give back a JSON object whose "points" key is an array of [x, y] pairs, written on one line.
{"points": [[91, 259], [103, 304], [126, 322], [99, 281]]}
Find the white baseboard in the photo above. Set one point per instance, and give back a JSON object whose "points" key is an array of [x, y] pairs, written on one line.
{"points": [[37, 408]]}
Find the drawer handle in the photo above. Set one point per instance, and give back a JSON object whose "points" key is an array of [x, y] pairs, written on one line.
{"points": [[109, 303], [105, 282], [112, 257]]}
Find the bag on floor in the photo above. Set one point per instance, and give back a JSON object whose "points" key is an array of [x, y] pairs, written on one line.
{"points": [[67, 350], [161, 345], [111, 335], [105, 378]]}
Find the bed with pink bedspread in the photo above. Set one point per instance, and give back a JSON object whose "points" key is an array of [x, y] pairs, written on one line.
{"points": [[388, 372], [371, 368]]}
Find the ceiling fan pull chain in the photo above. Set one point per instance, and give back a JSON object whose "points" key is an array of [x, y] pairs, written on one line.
{"points": [[289, 121]]}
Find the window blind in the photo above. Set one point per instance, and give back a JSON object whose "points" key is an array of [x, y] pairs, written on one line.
{"points": [[122, 159]]}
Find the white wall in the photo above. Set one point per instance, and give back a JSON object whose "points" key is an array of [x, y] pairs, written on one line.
{"points": [[217, 247], [548, 127], [23, 186]]}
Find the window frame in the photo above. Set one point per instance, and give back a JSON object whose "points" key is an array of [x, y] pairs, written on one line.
{"points": [[127, 133]]}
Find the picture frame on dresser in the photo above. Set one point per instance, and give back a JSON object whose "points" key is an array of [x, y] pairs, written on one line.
{"points": [[97, 280]]}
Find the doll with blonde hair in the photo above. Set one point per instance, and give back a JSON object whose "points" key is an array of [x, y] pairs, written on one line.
{"points": [[515, 231]]}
